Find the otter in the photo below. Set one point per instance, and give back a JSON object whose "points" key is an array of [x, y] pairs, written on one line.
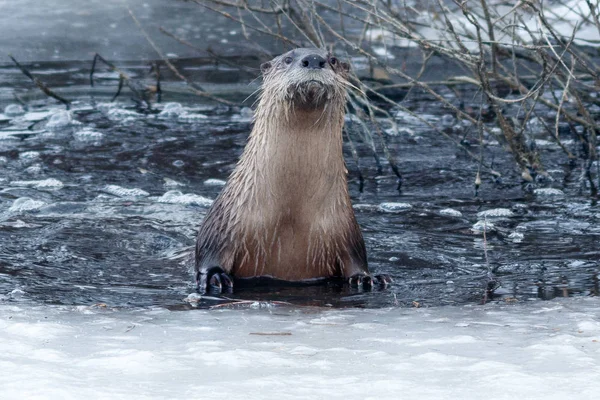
{"points": [[285, 212]]}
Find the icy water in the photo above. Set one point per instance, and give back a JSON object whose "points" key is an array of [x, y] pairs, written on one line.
{"points": [[101, 204]]}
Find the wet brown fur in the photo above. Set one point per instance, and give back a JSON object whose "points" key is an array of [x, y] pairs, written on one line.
{"points": [[285, 211]]}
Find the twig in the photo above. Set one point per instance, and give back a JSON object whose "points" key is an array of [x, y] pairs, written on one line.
{"points": [[194, 88], [41, 85]]}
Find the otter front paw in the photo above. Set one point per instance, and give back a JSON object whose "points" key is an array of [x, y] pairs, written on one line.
{"points": [[367, 282], [214, 280]]}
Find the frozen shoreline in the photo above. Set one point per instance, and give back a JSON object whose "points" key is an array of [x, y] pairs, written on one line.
{"points": [[537, 350]]}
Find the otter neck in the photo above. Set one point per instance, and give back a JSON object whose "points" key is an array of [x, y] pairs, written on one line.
{"points": [[295, 159]]}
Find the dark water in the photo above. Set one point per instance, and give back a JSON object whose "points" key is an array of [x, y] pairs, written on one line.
{"points": [[102, 230]]}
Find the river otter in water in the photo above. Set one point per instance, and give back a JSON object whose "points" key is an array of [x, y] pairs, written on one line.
{"points": [[285, 212]]}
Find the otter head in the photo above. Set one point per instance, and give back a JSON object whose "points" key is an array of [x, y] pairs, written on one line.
{"points": [[305, 79]]}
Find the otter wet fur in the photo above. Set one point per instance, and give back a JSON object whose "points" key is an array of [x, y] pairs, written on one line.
{"points": [[285, 212]]}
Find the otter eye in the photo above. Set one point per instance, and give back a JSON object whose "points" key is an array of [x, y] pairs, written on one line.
{"points": [[332, 60], [288, 60]]}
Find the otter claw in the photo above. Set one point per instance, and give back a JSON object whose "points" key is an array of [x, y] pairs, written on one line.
{"points": [[215, 280], [383, 280], [367, 282], [360, 281]]}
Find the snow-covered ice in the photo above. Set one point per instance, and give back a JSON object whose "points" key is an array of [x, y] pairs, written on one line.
{"points": [[537, 350]]}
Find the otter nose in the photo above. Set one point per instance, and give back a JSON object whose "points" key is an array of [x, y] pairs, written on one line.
{"points": [[313, 61]]}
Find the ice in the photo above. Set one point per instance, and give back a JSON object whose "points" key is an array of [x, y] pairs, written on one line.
{"points": [[171, 110], [36, 116], [534, 350], [12, 110], [61, 119], [50, 183], [495, 213], [214, 182], [548, 192], [516, 237], [176, 197], [120, 114], [172, 183], [483, 225], [450, 212], [29, 156], [25, 204], [394, 207], [88, 134], [123, 192], [191, 117]]}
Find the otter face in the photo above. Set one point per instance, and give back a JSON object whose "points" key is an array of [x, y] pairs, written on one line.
{"points": [[307, 78]]}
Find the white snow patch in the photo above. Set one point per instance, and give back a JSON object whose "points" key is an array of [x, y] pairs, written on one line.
{"points": [[44, 350]]}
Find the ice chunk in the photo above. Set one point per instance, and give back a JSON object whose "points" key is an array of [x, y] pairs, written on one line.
{"points": [[120, 114], [171, 110], [548, 192], [450, 212], [60, 120], [191, 117], [495, 213], [176, 197], [516, 237], [50, 183], [88, 134], [123, 192], [13, 110], [394, 207], [214, 182], [25, 204], [482, 225], [29, 156]]}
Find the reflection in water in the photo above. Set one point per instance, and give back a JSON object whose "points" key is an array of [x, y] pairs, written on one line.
{"points": [[101, 205]]}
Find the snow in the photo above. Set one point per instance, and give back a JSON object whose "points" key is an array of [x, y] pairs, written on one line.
{"points": [[533, 350]]}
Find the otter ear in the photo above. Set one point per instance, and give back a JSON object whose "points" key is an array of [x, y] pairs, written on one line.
{"points": [[346, 66], [265, 67]]}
